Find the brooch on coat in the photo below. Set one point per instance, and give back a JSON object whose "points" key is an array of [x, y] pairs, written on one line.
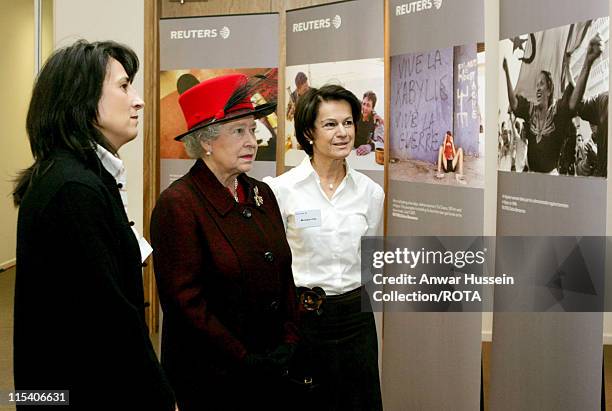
{"points": [[257, 197]]}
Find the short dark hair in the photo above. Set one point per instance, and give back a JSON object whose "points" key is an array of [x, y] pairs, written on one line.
{"points": [[307, 109], [63, 111], [300, 78], [370, 95]]}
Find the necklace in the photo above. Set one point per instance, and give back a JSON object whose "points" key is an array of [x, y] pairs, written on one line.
{"points": [[331, 185], [334, 183], [336, 180], [235, 192]]}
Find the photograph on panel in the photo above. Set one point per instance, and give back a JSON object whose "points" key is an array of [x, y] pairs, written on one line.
{"points": [[437, 116], [172, 122], [553, 101], [365, 79]]}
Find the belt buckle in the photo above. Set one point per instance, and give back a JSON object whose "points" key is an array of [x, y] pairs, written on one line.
{"points": [[312, 298]]}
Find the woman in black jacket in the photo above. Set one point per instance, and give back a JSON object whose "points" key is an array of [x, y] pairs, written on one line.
{"points": [[79, 304]]}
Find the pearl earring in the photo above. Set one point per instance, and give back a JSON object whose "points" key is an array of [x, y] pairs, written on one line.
{"points": [[208, 153], [310, 141]]}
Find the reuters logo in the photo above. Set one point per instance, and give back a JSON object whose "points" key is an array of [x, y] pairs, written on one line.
{"points": [[224, 32], [417, 6], [337, 21]]}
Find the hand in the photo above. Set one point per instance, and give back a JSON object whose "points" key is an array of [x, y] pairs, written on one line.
{"points": [[282, 355], [290, 111], [273, 363], [259, 363], [591, 152], [566, 62], [595, 48], [378, 120], [363, 149]]}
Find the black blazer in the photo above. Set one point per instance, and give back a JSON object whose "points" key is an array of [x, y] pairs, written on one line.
{"points": [[79, 308]]}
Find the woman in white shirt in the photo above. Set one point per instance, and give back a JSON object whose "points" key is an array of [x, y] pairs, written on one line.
{"points": [[326, 208]]}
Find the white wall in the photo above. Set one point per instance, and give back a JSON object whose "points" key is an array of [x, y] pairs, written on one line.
{"points": [[122, 21], [16, 79]]}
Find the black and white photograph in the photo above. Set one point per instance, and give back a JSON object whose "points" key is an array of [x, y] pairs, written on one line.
{"points": [[553, 100]]}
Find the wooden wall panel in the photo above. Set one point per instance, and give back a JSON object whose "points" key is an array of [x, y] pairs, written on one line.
{"points": [[151, 149], [298, 4], [215, 7]]}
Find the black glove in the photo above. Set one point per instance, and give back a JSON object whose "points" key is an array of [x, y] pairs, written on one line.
{"points": [[282, 355], [274, 363]]}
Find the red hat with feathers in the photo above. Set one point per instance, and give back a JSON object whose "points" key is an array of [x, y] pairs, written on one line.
{"points": [[219, 100]]}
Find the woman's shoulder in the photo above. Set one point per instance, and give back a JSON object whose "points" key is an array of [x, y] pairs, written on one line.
{"points": [[62, 169], [285, 178], [68, 167], [184, 195], [177, 192], [64, 179], [366, 183], [368, 190], [178, 202], [283, 182]]}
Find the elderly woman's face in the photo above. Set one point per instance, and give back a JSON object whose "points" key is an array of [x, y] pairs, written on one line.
{"points": [[334, 130], [234, 150], [118, 106]]}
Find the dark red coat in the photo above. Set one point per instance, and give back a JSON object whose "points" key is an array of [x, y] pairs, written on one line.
{"points": [[224, 276]]}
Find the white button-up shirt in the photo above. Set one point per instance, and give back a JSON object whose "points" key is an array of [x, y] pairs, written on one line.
{"points": [[327, 253], [114, 165]]}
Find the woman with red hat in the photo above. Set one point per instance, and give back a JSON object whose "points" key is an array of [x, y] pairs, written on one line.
{"points": [[222, 262]]}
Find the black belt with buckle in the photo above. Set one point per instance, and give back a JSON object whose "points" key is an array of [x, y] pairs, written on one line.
{"points": [[311, 299]]}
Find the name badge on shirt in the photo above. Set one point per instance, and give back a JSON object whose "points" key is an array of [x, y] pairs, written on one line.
{"points": [[308, 218]]}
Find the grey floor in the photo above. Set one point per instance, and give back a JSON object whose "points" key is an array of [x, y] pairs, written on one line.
{"points": [[7, 286]]}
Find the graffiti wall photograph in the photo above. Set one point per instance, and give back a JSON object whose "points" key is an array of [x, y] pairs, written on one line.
{"points": [[437, 121]]}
